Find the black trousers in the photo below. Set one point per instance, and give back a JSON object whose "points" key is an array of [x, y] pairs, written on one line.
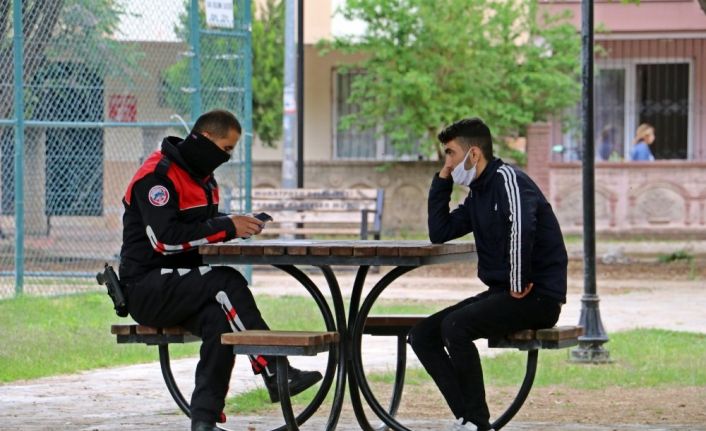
{"points": [[444, 345], [187, 297]]}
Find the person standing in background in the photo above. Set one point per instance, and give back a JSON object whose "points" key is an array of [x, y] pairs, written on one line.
{"points": [[644, 137]]}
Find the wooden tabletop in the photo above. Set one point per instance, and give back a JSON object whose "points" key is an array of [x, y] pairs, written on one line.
{"points": [[353, 252]]}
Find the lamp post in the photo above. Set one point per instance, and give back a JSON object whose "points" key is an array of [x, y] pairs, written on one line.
{"points": [[590, 348]]}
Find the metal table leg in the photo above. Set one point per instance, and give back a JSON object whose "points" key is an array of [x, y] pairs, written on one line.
{"points": [[401, 360], [356, 339], [398, 386], [335, 358], [357, 363], [344, 370]]}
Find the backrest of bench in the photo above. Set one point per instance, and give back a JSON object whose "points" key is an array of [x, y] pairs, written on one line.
{"points": [[321, 211]]}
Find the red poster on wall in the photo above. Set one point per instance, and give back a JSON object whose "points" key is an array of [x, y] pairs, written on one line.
{"points": [[122, 108]]}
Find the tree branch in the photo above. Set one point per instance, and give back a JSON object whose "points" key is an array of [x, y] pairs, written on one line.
{"points": [[39, 19]]}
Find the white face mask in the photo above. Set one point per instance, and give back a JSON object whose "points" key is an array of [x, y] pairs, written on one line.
{"points": [[462, 176]]}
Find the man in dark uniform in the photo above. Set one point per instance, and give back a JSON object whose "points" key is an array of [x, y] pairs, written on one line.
{"points": [[171, 207], [521, 258]]}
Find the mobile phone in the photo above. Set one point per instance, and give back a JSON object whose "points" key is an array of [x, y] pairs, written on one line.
{"points": [[264, 217]]}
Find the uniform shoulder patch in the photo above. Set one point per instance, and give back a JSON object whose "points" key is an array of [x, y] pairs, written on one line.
{"points": [[158, 196]]}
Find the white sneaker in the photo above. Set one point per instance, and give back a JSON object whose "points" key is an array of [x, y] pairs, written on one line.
{"points": [[460, 426]]}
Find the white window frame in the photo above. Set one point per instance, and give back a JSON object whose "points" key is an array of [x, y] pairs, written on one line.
{"points": [[631, 118]]}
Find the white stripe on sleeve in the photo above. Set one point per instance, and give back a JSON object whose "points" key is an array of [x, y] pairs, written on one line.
{"points": [[513, 195]]}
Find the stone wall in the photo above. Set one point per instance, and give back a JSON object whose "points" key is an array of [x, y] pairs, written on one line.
{"points": [[662, 197], [406, 185]]}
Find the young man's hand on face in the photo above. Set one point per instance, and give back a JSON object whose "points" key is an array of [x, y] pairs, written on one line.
{"points": [[445, 171]]}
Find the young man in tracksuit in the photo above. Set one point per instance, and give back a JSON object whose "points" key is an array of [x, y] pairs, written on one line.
{"points": [[171, 207], [521, 258]]}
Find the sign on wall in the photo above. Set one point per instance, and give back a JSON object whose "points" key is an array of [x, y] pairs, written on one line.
{"points": [[122, 108], [219, 13]]}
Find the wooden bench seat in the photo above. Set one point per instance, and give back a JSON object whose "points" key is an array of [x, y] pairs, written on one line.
{"points": [[282, 344], [265, 342], [135, 333], [557, 337]]}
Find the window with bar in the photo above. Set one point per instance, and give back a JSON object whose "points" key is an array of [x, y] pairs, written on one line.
{"points": [[355, 142]]}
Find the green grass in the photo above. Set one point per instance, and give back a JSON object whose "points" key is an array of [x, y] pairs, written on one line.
{"points": [[58, 335], [641, 358], [645, 358]]}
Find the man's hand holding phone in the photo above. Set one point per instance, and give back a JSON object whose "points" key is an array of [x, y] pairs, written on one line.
{"points": [[246, 226]]}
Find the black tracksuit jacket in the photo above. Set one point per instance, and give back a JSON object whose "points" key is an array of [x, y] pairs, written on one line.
{"points": [[169, 212], [517, 235]]}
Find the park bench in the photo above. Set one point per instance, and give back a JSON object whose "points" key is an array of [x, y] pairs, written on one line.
{"points": [[320, 212], [281, 344], [273, 343], [529, 340]]}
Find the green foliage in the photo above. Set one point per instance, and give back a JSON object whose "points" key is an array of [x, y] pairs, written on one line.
{"points": [[83, 33], [429, 64], [268, 71], [218, 71], [70, 46], [221, 62], [675, 256]]}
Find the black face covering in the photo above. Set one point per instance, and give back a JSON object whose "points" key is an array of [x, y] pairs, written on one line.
{"points": [[201, 154]]}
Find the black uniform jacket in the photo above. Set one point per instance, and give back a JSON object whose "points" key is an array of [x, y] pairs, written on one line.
{"points": [[169, 212], [517, 235]]}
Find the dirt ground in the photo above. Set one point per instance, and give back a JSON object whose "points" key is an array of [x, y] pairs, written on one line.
{"points": [[566, 405], [644, 269], [629, 405], [561, 404]]}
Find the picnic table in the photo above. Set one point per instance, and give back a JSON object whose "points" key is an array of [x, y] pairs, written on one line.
{"points": [[345, 360]]}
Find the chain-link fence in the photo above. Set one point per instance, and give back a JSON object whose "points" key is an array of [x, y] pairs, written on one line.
{"points": [[97, 85]]}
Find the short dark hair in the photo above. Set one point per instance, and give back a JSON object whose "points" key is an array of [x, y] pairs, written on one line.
{"points": [[218, 123], [470, 132]]}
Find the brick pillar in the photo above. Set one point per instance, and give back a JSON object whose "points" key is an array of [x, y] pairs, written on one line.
{"points": [[538, 154]]}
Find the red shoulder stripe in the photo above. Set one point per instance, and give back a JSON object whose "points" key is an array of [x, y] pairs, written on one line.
{"points": [[147, 168]]}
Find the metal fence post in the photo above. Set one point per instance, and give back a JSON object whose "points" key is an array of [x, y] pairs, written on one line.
{"points": [[247, 110], [195, 69], [18, 57]]}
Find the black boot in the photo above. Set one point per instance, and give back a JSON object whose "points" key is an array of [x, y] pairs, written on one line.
{"points": [[299, 381], [204, 426]]}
